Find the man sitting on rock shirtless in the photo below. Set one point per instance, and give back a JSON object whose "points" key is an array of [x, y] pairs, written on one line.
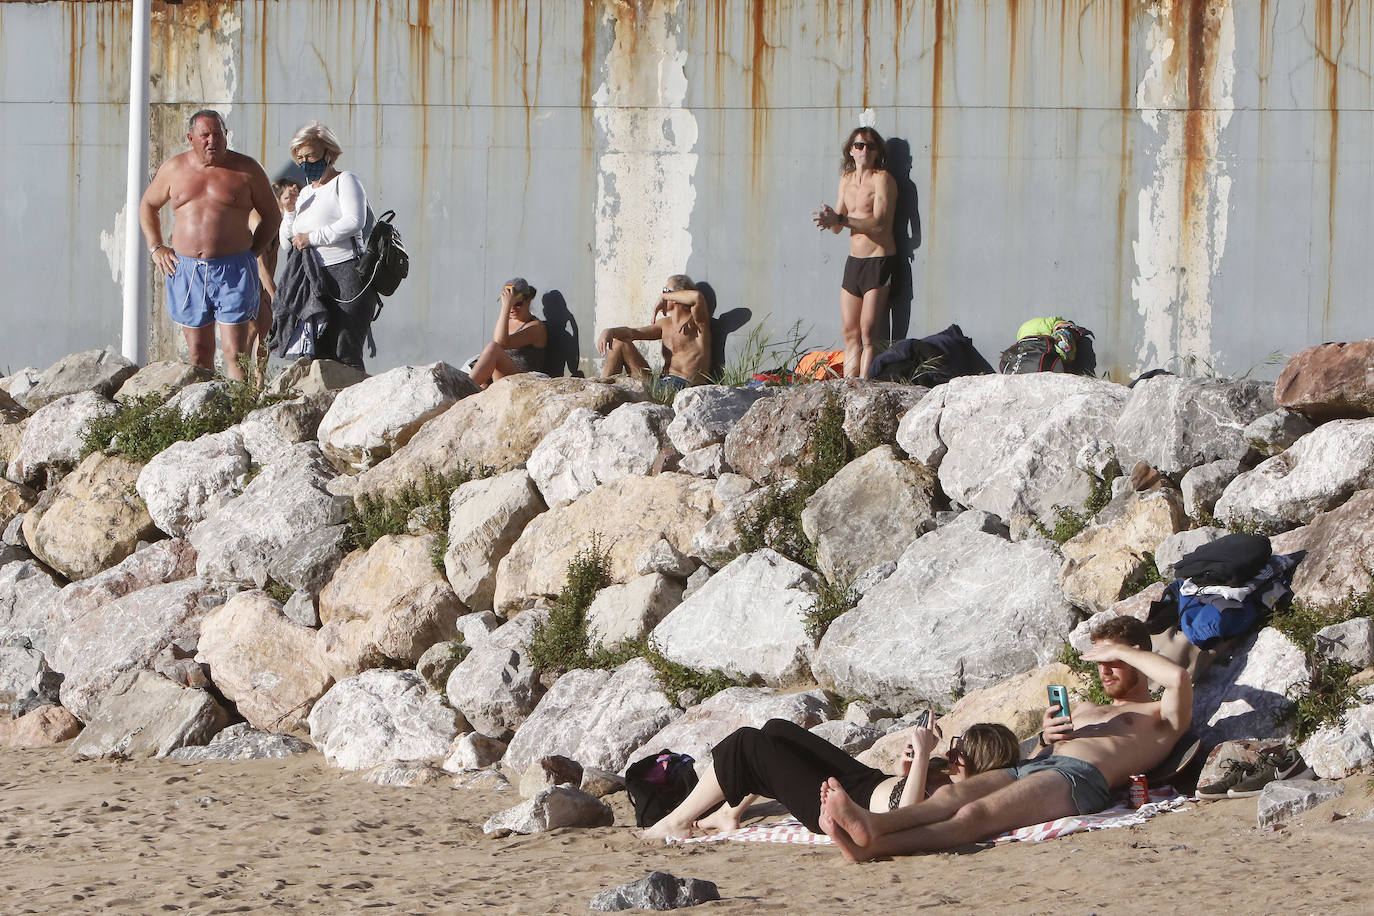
{"points": [[684, 329], [1087, 757]]}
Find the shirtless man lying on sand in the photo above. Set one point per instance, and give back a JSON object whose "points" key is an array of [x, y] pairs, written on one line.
{"points": [[1088, 756]]}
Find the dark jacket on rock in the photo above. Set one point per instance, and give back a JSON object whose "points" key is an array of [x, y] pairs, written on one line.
{"points": [[301, 297]]}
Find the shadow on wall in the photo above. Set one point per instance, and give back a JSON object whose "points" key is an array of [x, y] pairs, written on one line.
{"points": [[722, 326], [907, 229], [562, 353]]}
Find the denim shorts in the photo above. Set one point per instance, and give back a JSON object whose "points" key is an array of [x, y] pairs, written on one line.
{"points": [[1087, 785], [224, 289]]}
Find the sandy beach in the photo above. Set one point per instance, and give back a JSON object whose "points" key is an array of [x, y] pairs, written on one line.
{"points": [[261, 836]]}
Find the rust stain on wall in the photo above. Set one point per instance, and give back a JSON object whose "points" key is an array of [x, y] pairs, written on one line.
{"points": [[590, 16], [1126, 161], [864, 28], [760, 75], [1330, 42], [936, 100], [1197, 30]]}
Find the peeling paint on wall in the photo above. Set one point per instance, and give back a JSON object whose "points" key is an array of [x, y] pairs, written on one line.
{"points": [[112, 243], [1185, 98], [644, 182]]}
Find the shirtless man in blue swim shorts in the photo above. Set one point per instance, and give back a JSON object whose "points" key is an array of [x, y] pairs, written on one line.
{"points": [[866, 201], [1083, 760], [211, 263]]}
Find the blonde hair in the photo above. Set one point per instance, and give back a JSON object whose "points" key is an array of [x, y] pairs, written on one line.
{"points": [[315, 132]]}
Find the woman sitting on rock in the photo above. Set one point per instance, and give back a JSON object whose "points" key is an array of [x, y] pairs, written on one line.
{"points": [[517, 343], [786, 762]]}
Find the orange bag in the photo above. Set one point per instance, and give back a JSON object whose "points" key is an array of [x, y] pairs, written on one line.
{"points": [[821, 365]]}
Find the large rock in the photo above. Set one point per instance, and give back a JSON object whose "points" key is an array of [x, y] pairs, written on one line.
{"points": [[378, 716], [308, 561], [92, 520], [962, 610], [287, 501], [558, 806], [486, 517], [874, 410], [1350, 641], [1329, 381], [630, 611], [775, 434], [496, 687], [1016, 444], [656, 891], [587, 449], [41, 727], [1340, 552], [473, 751], [704, 414], [15, 499], [702, 727], [628, 515], [1247, 696], [55, 435], [748, 620], [869, 512], [162, 378], [370, 420], [147, 715], [595, 717], [1283, 798], [1112, 553], [270, 431], [1174, 424], [92, 643], [1275, 431], [308, 376], [99, 371], [181, 482], [26, 590], [242, 742], [386, 605], [267, 665], [1344, 748], [1318, 473], [1204, 484], [497, 428], [26, 680]]}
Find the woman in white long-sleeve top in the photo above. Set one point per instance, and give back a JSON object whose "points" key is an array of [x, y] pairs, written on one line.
{"points": [[329, 217]]}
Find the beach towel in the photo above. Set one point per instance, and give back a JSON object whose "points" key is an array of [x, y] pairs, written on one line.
{"points": [[790, 830]]}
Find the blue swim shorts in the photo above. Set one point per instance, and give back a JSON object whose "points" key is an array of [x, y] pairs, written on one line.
{"points": [[673, 382], [214, 289], [1087, 785]]}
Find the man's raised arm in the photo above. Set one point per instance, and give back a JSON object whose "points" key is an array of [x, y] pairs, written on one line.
{"points": [[1176, 703]]}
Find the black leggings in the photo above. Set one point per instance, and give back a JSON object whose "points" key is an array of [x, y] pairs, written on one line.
{"points": [[786, 762], [347, 323]]}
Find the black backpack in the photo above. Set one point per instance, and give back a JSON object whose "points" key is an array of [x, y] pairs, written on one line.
{"points": [[383, 263], [658, 784], [1031, 354]]}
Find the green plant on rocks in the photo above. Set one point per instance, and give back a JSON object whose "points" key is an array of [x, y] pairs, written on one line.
{"points": [[1327, 692], [1070, 522], [372, 517], [561, 643], [145, 426], [775, 520], [760, 353], [832, 600]]}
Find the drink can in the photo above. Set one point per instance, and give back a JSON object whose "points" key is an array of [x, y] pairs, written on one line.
{"points": [[1140, 791]]}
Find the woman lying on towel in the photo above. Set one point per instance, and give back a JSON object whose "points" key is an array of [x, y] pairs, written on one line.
{"points": [[786, 762]]}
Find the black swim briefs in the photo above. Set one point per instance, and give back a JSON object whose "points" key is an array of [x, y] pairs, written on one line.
{"points": [[863, 274]]}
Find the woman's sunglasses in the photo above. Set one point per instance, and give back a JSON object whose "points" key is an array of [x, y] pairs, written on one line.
{"points": [[864, 144]]}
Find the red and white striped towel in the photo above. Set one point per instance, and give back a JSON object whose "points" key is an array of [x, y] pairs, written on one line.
{"points": [[790, 830]]}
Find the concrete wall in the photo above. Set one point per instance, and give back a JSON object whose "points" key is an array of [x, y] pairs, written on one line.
{"points": [[1189, 178]]}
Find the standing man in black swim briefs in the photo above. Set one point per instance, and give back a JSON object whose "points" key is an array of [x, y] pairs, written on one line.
{"points": [[866, 199], [211, 264], [1082, 760]]}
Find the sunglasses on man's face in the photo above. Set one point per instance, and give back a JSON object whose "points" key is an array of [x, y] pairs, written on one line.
{"points": [[863, 144]]}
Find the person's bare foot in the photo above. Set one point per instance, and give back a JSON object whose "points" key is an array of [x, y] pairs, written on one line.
{"points": [[839, 808], [851, 851], [722, 820], [666, 830]]}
